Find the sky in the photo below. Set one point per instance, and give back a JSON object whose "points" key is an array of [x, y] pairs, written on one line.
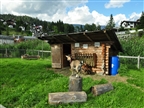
{"points": [[75, 11]]}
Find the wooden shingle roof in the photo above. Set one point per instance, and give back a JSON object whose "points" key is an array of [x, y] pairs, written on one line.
{"points": [[90, 36]]}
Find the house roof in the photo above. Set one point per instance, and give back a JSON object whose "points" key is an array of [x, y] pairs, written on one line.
{"points": [[90, 36], [6, 37]]}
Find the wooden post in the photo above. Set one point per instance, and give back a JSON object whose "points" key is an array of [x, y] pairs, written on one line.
{"points": [[100, 89], [75, 83], [38, 52], [67, 97], [138, 64], [6, 53]]}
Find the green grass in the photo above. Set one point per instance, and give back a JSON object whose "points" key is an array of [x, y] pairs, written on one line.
{"points": [[26, 84], [13, 32], [136, 76]]}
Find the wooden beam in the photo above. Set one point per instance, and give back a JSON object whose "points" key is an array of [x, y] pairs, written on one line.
{"points": [[87, 37], [71, 38], [57, 39], [109, 38]]}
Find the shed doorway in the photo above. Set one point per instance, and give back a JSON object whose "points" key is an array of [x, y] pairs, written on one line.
{"points": [[66, 51]]}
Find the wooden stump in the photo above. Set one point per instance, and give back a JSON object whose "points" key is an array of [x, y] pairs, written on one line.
{"points": [[67, 97], [100, 89], [75, 83]]}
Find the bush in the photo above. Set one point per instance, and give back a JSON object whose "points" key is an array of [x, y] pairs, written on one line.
{"points": [[133, 47], [140, 33]]}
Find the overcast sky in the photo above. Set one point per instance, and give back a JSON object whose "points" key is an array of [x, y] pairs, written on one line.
{"points": [[75, 11]]}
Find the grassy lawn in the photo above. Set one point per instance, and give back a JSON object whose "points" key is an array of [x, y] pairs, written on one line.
{"points": [[26, 84]]}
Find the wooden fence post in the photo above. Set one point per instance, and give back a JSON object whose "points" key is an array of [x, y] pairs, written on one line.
{"points": [[138, 64]]}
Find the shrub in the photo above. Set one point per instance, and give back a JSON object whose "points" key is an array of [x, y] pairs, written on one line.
{"points": [[140, 33]]}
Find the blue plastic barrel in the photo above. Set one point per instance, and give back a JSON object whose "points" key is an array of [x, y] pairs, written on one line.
{"points": [[114, 65]]}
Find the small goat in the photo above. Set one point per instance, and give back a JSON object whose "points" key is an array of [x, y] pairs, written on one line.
{"points": [[74, 65]]}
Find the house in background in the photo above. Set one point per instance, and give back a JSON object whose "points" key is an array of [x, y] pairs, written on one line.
{"points": [[14, 39], [130, 24], [6, 39], [93, 47]]}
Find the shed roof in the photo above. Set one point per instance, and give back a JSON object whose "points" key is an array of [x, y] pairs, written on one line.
{"points": [[90, 36]]}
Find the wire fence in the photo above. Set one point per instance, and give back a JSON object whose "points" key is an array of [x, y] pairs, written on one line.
{"points": [[137, 61], [16, 53]]}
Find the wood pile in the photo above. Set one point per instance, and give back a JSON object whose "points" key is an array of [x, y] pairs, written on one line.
{"points": [[75, 94], [93, 62], [29, 57]]}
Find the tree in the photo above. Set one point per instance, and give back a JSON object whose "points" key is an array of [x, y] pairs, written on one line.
{"points": [[98, 27], [93, 27], [1, 27], [111, 23], [90, 27], [66, 28], [7, 31], [55, 28], [141, 25]]}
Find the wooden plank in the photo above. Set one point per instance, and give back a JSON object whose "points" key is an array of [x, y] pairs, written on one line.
{"points": [[71, 38], [67, 97], [109, 39], [87, 37], [56, 56], [128, 56]]}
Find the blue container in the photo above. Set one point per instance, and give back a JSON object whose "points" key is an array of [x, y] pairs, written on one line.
{"points": [[114, 65]]}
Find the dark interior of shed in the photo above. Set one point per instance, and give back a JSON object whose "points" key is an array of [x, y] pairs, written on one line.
{"points": [[66, 51]]}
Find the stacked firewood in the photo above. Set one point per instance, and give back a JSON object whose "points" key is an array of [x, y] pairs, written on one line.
{"points": [[86, 69]]}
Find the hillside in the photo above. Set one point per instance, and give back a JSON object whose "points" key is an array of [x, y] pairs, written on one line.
{"points": [[24, 25]]}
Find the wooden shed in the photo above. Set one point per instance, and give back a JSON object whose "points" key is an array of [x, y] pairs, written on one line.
{"points": [[93, 47]]}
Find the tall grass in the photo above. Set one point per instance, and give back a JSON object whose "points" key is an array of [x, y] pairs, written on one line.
{"points": [[26, 84], [30, 44], [132, 47]]}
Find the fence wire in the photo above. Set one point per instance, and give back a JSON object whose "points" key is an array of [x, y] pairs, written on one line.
{"points": [[132, 62], [17, 53]]}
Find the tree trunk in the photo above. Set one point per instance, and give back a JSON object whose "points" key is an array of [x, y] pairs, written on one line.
{"points": [[100, 89], [75, 83], [67, 97]]}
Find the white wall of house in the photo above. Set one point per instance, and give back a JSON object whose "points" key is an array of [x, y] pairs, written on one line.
{"points": [[6, 41]]}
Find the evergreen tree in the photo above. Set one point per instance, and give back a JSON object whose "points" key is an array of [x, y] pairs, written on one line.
{"points": [[66, 28], [90, 27], [111, 23], [7, 31], [141, 25], [1, 27], [98, 27], [93, 27]]}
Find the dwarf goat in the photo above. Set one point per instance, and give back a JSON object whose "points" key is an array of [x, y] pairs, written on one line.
{"points": [[74, 65]]}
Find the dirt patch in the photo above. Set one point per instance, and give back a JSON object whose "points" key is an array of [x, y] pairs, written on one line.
{"points": [[110, 79]]}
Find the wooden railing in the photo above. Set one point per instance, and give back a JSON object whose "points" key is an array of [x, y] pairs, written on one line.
{"points": [[135, 57]]}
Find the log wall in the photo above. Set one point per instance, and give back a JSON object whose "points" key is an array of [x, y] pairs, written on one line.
{"points": [[97, 57]]}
